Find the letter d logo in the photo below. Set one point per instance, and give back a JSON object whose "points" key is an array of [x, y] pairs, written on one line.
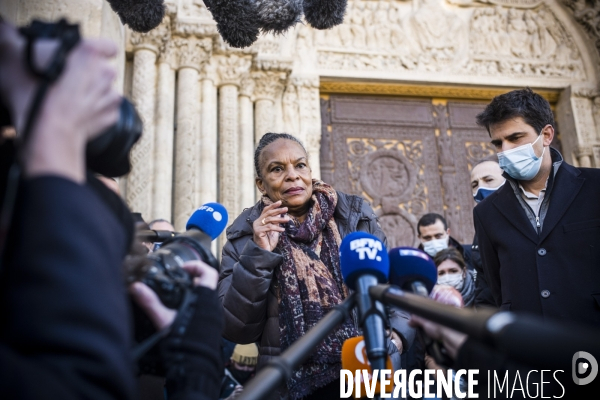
{"points": [[583, 367]]}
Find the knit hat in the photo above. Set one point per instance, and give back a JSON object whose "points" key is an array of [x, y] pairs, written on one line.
{"points": [[246, 354]]}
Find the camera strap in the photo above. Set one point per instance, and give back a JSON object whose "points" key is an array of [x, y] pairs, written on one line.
{"points": [[68, 37], [184, 315]]}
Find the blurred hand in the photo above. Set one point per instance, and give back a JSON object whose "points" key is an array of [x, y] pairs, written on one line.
{"points": [[451, 339], [160, 315], [235, 394], [266, 227], [78, 106], [395, 338]]}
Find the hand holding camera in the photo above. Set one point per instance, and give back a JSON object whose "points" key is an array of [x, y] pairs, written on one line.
{"points": [[79, 105], [160, 315]]}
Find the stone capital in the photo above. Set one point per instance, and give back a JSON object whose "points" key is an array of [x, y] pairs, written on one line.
{"points": [[192, 52], [155, 40], [268, 85], [308, 81], [210, 70], [584, 151], [247, 86], [232, 68], [589, 92]]}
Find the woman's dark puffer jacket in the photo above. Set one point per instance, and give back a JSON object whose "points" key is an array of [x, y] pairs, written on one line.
{"points": [[247, 282]]}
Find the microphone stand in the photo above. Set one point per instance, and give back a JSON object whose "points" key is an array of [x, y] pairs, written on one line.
{"points": [[525, 338], [280, 369]]}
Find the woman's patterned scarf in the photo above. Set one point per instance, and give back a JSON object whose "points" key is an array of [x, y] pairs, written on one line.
{"points": [[310, 285]]}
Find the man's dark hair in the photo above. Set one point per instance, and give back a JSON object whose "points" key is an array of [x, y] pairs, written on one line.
{"points": [[492, 158], [524, 103], [266, 140], [430, 219]]}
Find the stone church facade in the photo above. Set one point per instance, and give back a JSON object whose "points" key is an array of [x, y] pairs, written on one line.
{"points": [[384, 103]]}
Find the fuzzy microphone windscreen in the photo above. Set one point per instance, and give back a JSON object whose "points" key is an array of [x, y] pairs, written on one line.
{"points": [[324, 14], [237, 21], [277, 16], [139, 15]]}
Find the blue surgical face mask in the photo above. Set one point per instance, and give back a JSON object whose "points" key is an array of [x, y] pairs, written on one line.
{"points": [[521, 162], [482, 192]]}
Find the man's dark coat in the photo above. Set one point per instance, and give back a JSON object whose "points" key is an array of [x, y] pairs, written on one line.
{"points": [[555, 273]]}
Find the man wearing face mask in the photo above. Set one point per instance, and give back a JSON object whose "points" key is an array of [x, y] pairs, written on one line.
{"points": [[486, 178], [434, 234], [539, 234]]}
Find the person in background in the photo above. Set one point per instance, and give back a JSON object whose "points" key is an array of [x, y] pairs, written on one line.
{"points": [[486, 178], [239, 370], [161, 225], [280, 271], [452, 271], [434, 234], [539, 234]]}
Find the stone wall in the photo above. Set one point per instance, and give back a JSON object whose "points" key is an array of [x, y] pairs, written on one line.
{"points": [[205, 105]]}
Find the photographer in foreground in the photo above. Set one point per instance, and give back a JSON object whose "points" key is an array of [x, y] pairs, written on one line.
{"points": [[65, 329], [63, 310]]}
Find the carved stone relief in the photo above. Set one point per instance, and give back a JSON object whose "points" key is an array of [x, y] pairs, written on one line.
{"points": [[522, 43], [517, 39], [587, 13]]}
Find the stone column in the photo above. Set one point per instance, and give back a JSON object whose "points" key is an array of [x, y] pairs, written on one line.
{"points": [[584, 156], [309, 108], [246, 140], [232, 68], [268, 86], [143, 95], [163, 150], [575, 119], [208, 141], [192, 53]]}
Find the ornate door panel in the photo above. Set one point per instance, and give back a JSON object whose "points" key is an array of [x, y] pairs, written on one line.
{"points": [[407, 157]]}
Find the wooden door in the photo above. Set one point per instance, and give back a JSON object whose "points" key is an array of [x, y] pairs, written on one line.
{"points": [[407, 157]]}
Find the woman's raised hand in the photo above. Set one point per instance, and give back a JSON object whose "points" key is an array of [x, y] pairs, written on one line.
{"points": [[267, 228]]}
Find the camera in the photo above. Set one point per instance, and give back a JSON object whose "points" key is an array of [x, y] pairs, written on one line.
{"points": [[162, 271], [108, 153]]}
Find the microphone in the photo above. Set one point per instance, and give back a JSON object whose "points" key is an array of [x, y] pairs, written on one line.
{"points": [[413, 270], [279, 15], [211, 218], [140, 15], [324, 14], [237, 21], [354, 359], [364, 263]]}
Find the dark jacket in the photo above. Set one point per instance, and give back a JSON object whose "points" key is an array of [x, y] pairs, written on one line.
{"points": [[247, 281], [483, 295], [554, 273], [64, 331]]}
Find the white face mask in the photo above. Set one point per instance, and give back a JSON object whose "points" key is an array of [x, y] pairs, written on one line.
{"points": [[521, 162], [456, 280], [433, 246]]}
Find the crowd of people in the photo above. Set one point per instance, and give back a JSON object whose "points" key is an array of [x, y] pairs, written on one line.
{"points": [[65, 317]]}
